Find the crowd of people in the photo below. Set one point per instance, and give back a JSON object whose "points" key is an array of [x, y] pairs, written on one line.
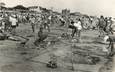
{"points": [[10, 21]]}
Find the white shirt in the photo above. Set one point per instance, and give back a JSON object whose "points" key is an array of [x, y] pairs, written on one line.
{"points": [[13, 21], [32, 20], [49, 17], [78, 25]]}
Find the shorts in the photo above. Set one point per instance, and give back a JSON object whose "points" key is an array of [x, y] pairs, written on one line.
{"points": [[79, 28], [13, 26]]}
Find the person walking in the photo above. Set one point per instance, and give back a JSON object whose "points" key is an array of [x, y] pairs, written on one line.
{"points": [[77, 28], [32, 21], [13, 21]]}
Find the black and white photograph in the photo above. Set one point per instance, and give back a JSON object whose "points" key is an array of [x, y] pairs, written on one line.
{"points": [[57, 35]]}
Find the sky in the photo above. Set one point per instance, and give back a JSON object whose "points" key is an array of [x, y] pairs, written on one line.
{"points": [[90, 7]]}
